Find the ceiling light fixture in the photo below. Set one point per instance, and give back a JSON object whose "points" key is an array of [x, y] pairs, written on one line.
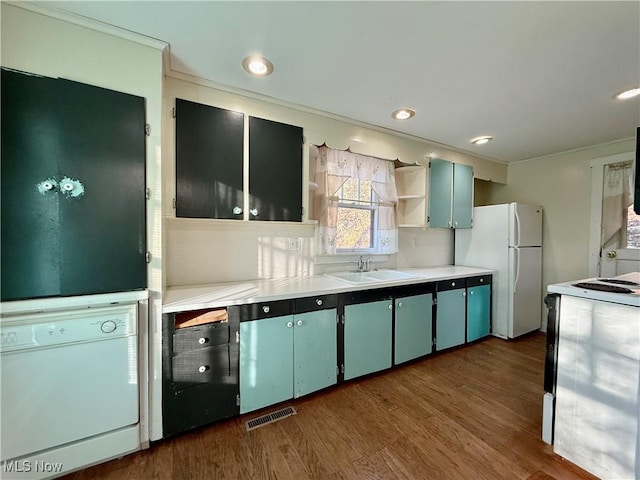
{"points": [[258, 66], [481, 140], [403, 114], [633, 92]]}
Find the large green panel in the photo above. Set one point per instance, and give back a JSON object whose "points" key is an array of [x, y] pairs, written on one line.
{"points": [[450, 318], [462, 195], [478, 312], [315, 354], [209, 151], [440, 188], [367, 338], [266, 362], [30, 220], [413, 327], [275, 171], [102, 219]]}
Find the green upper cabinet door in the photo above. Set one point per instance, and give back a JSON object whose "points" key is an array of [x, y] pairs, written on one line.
{"points": [[102, 183], [440, 188], [462, 195], [450, 194], [315, 351], [73, 188], [367, 338], [29, 174], [275, 171], [266, 362], [209, 159], [478, 312], [413, 327]]}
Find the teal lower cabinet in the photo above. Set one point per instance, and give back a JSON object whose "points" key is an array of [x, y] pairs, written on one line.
{"points": [[287, 356], [367, 337], [413, 327], [451, 313], [266, 362], [315, 351], [478, 307]]}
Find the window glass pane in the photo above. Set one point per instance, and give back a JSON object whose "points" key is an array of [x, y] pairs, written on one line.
{"points": [[365, 190], [633, 229], [350, 189], [354, 228]]}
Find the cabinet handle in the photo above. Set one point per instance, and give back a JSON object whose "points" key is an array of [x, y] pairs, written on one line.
{"points": [[470, 292], [203, 368], [399, 304], [464, 294], [266, 309], [289, 324], [46, 186], [318, 302], [482, 280], [299, 323], [254, 212], [237, 210], [453, 284], [390, 306], [202, 340]]}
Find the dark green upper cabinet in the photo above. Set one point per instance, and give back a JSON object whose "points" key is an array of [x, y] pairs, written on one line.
{"points": [[209, 156], [275, 171], [29, 173], [73, 188], [450, 194]]}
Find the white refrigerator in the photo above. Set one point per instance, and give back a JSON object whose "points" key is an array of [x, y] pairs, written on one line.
{"points": [[507, 238]]}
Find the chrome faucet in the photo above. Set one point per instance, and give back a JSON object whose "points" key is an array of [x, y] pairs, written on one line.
{"points": [[363, 265]]}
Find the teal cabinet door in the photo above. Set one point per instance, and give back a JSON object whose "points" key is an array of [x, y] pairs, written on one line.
{"points": [[266, 362], [315, 351], [413, 332], [450, 318], [478, 312], [440, 188], [462, 195], [367, 338]]}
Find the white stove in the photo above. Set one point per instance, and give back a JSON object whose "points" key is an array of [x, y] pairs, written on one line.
{"points": [[628, 287]]}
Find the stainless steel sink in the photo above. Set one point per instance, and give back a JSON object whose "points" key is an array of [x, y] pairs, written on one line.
{"points": [[375, 276]]}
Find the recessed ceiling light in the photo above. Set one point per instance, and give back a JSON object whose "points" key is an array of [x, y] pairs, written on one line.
{"points": [[403, 114], [634, 92], [258, 66], [481, 140]]}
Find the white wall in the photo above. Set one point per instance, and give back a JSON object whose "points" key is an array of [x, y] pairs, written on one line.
{"points": [[40, 41], [208, 251], [561, 183]]}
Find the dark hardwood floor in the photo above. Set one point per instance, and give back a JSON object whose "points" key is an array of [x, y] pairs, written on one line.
{"points": [[471, 413]]}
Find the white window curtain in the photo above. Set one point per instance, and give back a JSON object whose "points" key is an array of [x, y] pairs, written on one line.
{"points": [[616, 198], [333, 169]]}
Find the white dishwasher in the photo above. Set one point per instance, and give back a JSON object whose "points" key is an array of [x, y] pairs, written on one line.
{"points": [[69, 390]]}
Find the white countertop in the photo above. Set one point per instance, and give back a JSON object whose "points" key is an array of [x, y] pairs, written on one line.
{"points": [[632, 299], [34, 305], [216, 295]]}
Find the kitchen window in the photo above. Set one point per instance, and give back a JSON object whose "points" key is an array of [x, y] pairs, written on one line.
{"points": [[357, 217], [355, 203]]}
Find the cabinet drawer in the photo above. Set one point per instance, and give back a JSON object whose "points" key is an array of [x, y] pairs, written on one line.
{"points": [[310, 304], [481, 280], [200, 337], [196, 367], [365, 296], [452, 284], [256, 311]]}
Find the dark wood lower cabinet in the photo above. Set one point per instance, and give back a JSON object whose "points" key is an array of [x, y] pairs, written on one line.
{"points": [[200, 373]]}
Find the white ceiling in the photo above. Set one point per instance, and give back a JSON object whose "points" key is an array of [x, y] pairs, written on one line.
{"points": [[538, 76]]}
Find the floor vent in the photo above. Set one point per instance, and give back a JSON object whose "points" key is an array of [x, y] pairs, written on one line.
{"points": [[270, 418]]}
